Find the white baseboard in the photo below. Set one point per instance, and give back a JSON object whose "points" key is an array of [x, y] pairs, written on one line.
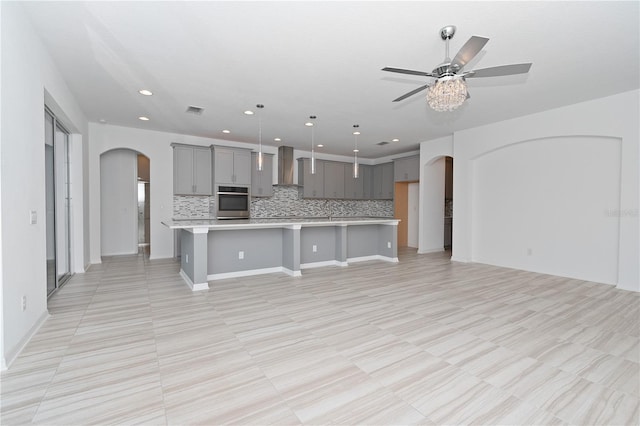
{"points": [[372, 257], [427, 251], [13, 353], [459, 259], [291, 273], [311, 265], [225, 275], [191, 284]]}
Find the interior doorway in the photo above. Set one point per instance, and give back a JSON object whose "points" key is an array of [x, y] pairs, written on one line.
{"points": [[448, 203], [144, 205], [124, 203], [57, 203], [405, 208]]}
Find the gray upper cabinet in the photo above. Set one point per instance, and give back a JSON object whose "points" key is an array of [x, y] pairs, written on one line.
{"points": [[191, 170], [354, 188], [231, 165], [407, 169], [366, 173], [383, 181], [334, 179], [262, 181], [312, 185]]}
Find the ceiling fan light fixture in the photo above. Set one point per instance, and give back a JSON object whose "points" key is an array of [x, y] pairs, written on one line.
{"points": [[313, 152], [356, 165], [447, 93], [260, 156]]}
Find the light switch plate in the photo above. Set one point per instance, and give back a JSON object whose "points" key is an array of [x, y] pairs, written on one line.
{"points": [[33, 217]]}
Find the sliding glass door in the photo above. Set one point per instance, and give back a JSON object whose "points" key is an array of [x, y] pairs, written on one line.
{"points": [[58, 203]]}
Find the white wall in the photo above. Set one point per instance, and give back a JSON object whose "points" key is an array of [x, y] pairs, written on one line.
{"points": [[119, 202], [538, 205], [29, 79], [607, 128], [432, 178], [433, 206]]}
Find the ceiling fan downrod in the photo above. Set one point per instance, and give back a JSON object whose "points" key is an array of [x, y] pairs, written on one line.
{"points": [[447, 34]]}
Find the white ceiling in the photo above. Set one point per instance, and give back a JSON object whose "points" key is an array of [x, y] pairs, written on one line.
{"points": [[324, 58]]}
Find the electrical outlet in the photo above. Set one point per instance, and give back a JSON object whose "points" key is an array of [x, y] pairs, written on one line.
{"points": [[314, 248], [33, 217], [240, 255], [24, 303], [388, 244]]}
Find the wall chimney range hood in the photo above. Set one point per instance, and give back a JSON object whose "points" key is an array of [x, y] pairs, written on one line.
{"points": [[285, 165]]}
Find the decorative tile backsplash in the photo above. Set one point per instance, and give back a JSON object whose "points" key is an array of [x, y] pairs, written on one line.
{"points": [[286, 201], [193, 207]]}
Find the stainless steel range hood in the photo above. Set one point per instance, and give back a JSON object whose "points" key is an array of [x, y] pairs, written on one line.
{"points": [[285, 165]]}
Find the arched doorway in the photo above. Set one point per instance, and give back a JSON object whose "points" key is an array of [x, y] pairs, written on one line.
{"points": [[124, 202]]}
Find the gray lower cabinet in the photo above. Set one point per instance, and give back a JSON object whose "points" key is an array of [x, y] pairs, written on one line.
{"points": [[354, 187], [407, 169], [231, 165], [262, 181], [312, 184], [334, 179], [191, 170], [383, 181]]}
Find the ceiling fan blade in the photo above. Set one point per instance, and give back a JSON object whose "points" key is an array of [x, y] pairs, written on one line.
{"points": [[411, 93], [500, 71], [412, 72], [471, 48]]}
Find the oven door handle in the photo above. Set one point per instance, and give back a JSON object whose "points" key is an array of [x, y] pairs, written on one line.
{"points": [[233, 193]]}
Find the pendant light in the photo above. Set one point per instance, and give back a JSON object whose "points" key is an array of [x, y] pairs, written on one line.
{"points": [[313, 152], [260, 159], [356, 167]]}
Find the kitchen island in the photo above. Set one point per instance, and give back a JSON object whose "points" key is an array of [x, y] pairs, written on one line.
{"points": [[218, 249]]}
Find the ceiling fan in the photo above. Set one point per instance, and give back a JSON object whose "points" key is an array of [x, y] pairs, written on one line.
{"points": [[449, 90]]}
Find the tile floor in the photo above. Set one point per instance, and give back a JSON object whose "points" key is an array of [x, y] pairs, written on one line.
{"points": [[425, 341]]}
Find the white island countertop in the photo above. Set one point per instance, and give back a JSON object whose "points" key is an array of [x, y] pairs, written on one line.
{"points": [[264, 223]]}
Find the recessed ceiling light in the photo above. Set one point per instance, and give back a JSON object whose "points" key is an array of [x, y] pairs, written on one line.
{"points": [[103, 121], [277, 139], [226, 131], [247, 112], [143, 118], [395, 140], [356, 133], [308, 124], [356, 150], [320, 145], [145, 92]]}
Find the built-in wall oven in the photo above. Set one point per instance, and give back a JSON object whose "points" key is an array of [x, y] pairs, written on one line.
{"points": [[232, 202]]}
